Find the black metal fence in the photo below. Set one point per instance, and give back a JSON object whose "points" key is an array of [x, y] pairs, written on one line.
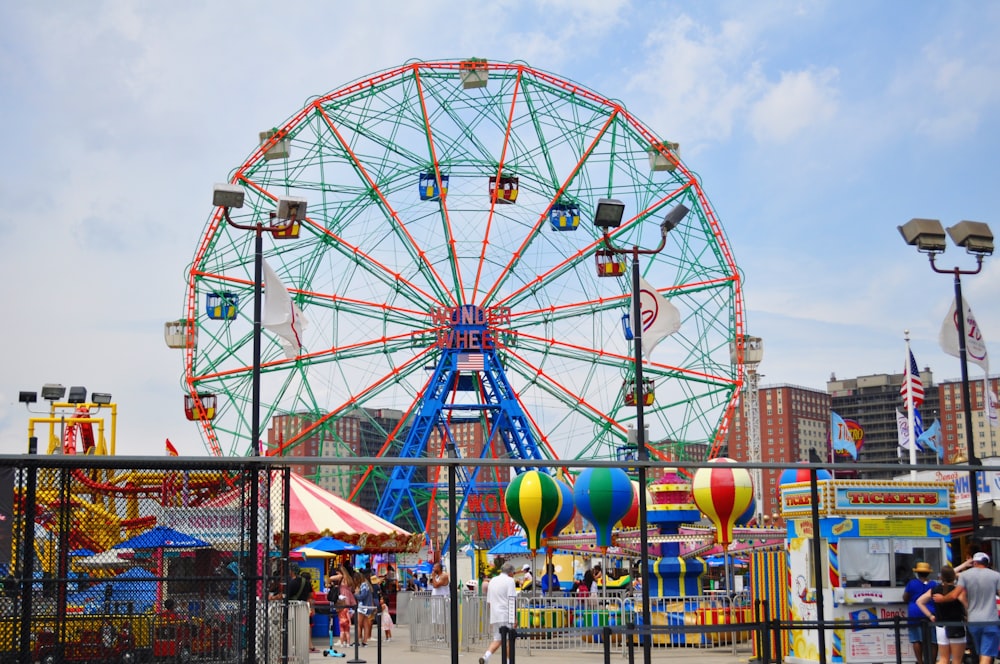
{"points": [[76, 586]]}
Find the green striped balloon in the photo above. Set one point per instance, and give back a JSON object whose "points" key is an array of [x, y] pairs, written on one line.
{"points": [[533, 500]]}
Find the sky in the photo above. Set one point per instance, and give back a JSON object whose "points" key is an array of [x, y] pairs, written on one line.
{"points": [[816, 129]]}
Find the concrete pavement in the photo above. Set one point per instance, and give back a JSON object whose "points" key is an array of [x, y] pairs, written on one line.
{"points": [[399, 651]]}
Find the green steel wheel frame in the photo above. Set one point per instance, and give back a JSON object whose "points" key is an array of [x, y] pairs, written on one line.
{"points": [[378, 255]]}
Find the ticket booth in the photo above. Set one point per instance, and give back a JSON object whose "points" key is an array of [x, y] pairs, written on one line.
{"points": [[872, 534]]}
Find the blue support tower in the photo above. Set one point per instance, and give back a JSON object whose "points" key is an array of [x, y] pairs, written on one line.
{"points": [[469, 366]]}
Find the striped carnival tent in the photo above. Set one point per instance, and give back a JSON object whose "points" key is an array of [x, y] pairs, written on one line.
{"points": [[769, 585], [314, 512]]}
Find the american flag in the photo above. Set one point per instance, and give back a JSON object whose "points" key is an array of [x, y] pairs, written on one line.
{"points": [[912, 384], [469, 362]]}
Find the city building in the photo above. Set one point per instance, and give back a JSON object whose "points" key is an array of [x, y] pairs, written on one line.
{"points": [[951, 411], [359, 433], [873, 402], [793, 421]]}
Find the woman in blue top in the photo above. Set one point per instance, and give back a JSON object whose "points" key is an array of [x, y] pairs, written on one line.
{"points": [[915, 588]]}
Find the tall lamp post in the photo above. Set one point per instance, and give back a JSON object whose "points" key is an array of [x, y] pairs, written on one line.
{"points": [[228, 196], [927, 235], [608, 216]]}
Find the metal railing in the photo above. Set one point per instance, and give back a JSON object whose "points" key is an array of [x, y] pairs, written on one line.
{"points": [[576, 624]]}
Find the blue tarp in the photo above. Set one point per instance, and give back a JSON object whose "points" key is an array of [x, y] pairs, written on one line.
{"points": [[134, 586]]}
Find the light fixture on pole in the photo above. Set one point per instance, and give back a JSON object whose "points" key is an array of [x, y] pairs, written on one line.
{"points": [[608, 216], [289, 214], [100, 398], [928, 236], [53, 391], [77, 395]]}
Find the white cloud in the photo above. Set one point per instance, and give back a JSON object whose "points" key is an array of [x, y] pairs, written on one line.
{"points": [[798, 103], [696, 81]]}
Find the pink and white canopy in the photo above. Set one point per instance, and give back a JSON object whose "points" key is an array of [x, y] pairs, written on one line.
{"points": [[315, 512]]}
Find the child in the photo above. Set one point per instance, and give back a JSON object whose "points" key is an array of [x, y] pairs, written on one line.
{"points": [[344, 618], [386, 621]]}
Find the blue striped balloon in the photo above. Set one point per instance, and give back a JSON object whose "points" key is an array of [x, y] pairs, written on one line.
{"points": [[603, 496]]}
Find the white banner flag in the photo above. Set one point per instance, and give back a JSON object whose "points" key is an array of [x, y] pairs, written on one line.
{"points": [[975, 345], [280, 315], [903, 436], [660, 318]]}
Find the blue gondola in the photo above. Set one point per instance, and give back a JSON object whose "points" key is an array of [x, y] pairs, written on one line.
{"points": [[429, 190], [221, 305], [564, 216]]}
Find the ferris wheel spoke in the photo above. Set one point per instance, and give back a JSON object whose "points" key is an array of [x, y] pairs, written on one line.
{"points": [[570, 408], [495, 199], [398, 226], [519, 252], [449, 234]]}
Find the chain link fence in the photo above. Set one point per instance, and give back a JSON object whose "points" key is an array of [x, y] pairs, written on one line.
{"points": [[110, 561]]}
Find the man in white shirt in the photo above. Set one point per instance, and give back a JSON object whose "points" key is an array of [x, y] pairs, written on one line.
{"points": [[500, 597]]}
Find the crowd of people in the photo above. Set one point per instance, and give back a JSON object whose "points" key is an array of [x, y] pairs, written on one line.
{"points": [[356, 600], [962, 607]]}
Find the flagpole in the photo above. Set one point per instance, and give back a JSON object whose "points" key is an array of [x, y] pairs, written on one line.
{"points": [[988, 407], [909, 408]]}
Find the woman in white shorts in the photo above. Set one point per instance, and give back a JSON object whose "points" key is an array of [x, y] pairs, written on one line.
{"points": [[947, 618]]}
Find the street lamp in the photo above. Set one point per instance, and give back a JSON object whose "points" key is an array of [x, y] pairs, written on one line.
{"points": [[290, 211], [927, 235], [608, 216]]}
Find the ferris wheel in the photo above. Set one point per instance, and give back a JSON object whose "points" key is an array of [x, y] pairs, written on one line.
{"points": [[458, 293]]}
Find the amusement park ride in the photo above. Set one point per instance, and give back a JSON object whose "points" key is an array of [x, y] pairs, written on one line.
{"points": [[455, 299], [106, 503]]}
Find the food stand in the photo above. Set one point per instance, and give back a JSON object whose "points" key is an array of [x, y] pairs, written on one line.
{"points": [[872, 534]]}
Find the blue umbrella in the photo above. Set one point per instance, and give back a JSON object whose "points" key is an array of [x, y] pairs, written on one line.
{"points": [[162, 537], [329, 545]]}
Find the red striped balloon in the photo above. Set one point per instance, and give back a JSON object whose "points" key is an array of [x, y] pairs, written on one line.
{"points": [[722, 494]]}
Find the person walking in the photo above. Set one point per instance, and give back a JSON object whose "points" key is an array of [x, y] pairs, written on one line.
{"points": [[500, 597], [343, 579], [916, 588], [950, 637], [982, 587]]}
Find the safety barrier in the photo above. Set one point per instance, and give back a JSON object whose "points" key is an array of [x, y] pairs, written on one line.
{"points": [[430, 623], [570, 623]]}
